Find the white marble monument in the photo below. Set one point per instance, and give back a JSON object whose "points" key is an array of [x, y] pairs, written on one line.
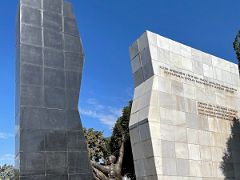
{"points": [[182, 120]]}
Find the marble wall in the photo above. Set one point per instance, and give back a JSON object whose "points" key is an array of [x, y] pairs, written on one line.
{"points": [[182, 120], [49, 138]]}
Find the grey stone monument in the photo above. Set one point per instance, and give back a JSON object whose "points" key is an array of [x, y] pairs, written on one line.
{"points": [[50, 144], [182, 123]]}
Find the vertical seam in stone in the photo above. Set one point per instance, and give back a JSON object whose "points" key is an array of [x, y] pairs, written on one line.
{"points": [[65, 78], [43, 84]]}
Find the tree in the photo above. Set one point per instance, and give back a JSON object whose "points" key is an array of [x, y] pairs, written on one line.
{"points": [[236, 46], [6, 172], [120, 161], [122, 128], [97, 145]]}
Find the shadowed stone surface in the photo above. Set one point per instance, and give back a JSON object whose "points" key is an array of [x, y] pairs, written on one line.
{"points": [[50, 143], [181, 124]]}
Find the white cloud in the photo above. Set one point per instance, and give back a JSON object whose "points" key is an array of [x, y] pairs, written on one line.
{"points": [[7, 159], [5, 135], [107, 115], [94, 103], [115, 111]]}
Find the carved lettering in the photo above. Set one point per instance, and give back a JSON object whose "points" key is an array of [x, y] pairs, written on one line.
{"points": [[195, 79], [216, 111]]}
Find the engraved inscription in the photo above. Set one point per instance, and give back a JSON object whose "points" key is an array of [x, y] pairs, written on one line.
{"points": [[195, 79], [216, 111]]}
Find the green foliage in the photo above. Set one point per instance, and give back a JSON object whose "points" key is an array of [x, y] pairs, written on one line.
{"points": [[100, 147], [122, 128], [236, 46], [6, 172], [97, 145]]}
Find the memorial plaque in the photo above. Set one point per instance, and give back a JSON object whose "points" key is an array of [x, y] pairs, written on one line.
{"points": [[50, 143], [185, 103]]}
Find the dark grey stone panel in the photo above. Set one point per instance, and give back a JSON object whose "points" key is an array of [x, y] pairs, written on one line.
{"points": [[31, 16], [76, 141], [56, 120], [72, 43], [31, 54], [40, 177], [31, 75], [56, 163], [55, 98], [53, 39], [17, 148], [73, 80], [70, 26], [32, 164], [17, 161], [57, 177], [32, 117], [73, 120], [33, 3], [79, 177], [78, 162], [31, 35], [67, 10], [54, 78], [31, 141], [52, 21], [53, 5], [73, 61], [53, 58], [56, 141], [31, 96], [72, 99]]}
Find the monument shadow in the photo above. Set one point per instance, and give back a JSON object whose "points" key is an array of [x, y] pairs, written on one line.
{"points": [[231, 159]]}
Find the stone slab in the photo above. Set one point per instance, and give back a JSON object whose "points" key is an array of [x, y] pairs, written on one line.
{"points": [[50, 143], [186, 100]]}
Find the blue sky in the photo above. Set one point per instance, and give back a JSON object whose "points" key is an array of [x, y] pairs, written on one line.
{"points": [[108, 27]]}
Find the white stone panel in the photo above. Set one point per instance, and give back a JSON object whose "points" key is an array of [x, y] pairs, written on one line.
{"points": [[181, 150], [192, 135], [186, 51], [187, 64], [195, 168], [194, 151], [164, 85], [207, 71], [152, 38], [153, 52]]}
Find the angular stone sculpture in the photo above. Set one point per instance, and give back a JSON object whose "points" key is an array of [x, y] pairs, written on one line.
{"points": [[50, 143], [181, 123]]}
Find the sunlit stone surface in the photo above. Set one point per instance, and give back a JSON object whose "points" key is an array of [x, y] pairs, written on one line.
{"points": [[184, 103], [50, 144]]}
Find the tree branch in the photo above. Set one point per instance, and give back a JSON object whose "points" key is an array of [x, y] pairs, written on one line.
{"points": [[121, 154], [99, 175], [104, 169], [94, 176]]}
